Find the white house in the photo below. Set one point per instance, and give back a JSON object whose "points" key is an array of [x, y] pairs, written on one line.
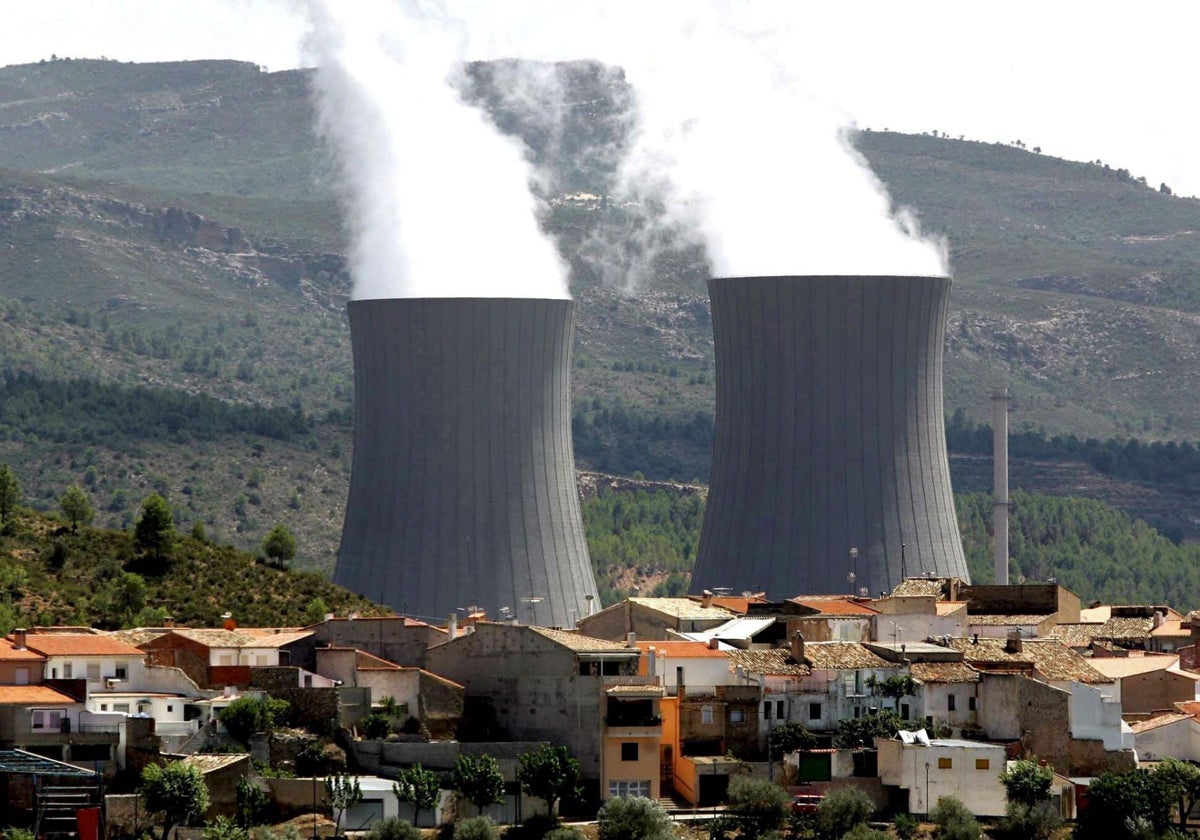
{"points": [[1170, 735], [105, 662], [930, 769]]}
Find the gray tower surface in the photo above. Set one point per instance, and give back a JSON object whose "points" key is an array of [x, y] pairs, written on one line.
{"points": [[463, 489], [829, 436]]}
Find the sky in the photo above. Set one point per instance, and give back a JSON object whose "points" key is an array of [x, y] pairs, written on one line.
{"points": [[1083, 81]]}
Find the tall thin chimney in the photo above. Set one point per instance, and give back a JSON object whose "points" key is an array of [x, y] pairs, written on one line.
{"points": [[1000, 484]]}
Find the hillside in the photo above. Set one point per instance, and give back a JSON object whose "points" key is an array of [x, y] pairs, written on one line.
{"points": [[97, 577], [170, 227]]}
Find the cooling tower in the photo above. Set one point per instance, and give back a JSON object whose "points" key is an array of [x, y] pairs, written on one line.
{"points": [[463, 487], [829, 436]]}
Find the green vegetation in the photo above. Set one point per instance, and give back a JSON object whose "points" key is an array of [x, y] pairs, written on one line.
{"points": [[550, 773], [954, 821], [633, 818], [393, 828], [52, 575], [476, 828], [1087, 546], [246, 717], [342, 792], [757, 806], [478, 779], [419, 786], [177, 791], [280, 546], [841, 811]]}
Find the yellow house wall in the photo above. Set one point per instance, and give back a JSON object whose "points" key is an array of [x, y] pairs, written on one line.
{"points": [[646, 767]]}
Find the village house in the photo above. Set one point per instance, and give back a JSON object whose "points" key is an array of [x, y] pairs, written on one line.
{"points": [[928, 769], [652, 618]]}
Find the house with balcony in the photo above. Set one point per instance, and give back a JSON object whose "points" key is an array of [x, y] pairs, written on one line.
{"points": [[52, 721], [631, 758]]}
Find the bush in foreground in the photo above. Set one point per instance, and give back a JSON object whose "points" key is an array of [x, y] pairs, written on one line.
{"points": [[633, 818]]}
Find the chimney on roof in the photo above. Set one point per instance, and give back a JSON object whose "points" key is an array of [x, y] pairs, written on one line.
{"points": [[650, 661], [706, 598], [19, 638], [230, 624], [452, 626], [713, 644], [1013, 644], [1158, 620], [168, 621], [798, 647], [631, 640]]}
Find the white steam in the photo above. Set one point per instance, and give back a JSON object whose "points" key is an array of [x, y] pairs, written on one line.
{"points": [[438, 201], [734, 148]]}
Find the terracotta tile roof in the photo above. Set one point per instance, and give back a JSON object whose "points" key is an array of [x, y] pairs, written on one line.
{"points": [[1170, 627], [8, 653], [80, 644], [242, 637], [1000, 620], [1189, 707], [835, 605], [835, 655], [1119, 667], [1074, 635], [277, 638], [33, 695], [208, 762], [635, 691], [682, 650], [950, 607], [910, 587], [739, 604], [583, 644], [1051, 659], [1157, 721], [139, 636], [684, 608], [775, 662], [944, 672], [364, 661]]}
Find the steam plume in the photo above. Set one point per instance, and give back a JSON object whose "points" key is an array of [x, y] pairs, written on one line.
{"points": [[438, 201]]}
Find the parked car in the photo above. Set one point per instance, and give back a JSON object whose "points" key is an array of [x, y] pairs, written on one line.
{"points": [[806, 803]]}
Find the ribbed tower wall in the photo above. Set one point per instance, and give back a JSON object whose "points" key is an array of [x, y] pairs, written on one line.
{"points": [[463, 489], [829, 436]]}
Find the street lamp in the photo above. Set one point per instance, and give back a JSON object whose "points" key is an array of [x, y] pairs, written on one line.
{"points": [[532, 601]]}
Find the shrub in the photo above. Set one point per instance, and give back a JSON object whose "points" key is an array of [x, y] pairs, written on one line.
{"points": [[535, 827], [906, 826], [564, 832], [1028, 822], [375, 727], [247, 716], [394, 828], [14, 833], [476, 828], [757, 805], [862, 831], [633, 818], [954, 821], [1027, 782], [841, 810], [223, 828]]}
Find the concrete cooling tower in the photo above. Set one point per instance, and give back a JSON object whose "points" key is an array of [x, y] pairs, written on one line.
{"points": [[829, 456], [463, 488]]}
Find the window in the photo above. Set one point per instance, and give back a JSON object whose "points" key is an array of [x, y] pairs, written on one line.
{"points": [[971, 703], [779, 710], [629, 752], [951, 702], [66, 670], [104, 707], [857, 712], [737, 715], [47, 720], [121, 707], [766, 710], [122, 671], [53, 673], [706, 714], [638, 787], [225, 659], [93, 672], [983, 764], [814, 711], [21, 676], [945, 764], [904, 710], [170, 708]]}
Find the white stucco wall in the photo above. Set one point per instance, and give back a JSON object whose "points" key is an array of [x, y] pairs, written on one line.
{"points": [[104, 667], [916, 769], [1175, 740], [1096, 715]]}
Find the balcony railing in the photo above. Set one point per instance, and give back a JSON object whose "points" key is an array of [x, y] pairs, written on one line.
{"points": [[632, 720], [100, 728]]}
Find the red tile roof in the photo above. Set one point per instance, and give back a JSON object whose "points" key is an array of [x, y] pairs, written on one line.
{"points": [[80, 644], [836, 605], [32, 695], [678, 650], [8, 653]]}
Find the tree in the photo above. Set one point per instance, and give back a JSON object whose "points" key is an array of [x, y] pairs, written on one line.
{"points": [[549, 773], [1181, 781], [478, 779], [175, 790], [76, 506], [10, 493], [862, 731], [1027, 782], [894, 687], [252, 803], [841, 810], [343, 793], [789, 737], [1119, 804], [279, 546], [155, 529], [247, 716], [419, 786], [633, 818], [757, 805], [954, 821]]}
